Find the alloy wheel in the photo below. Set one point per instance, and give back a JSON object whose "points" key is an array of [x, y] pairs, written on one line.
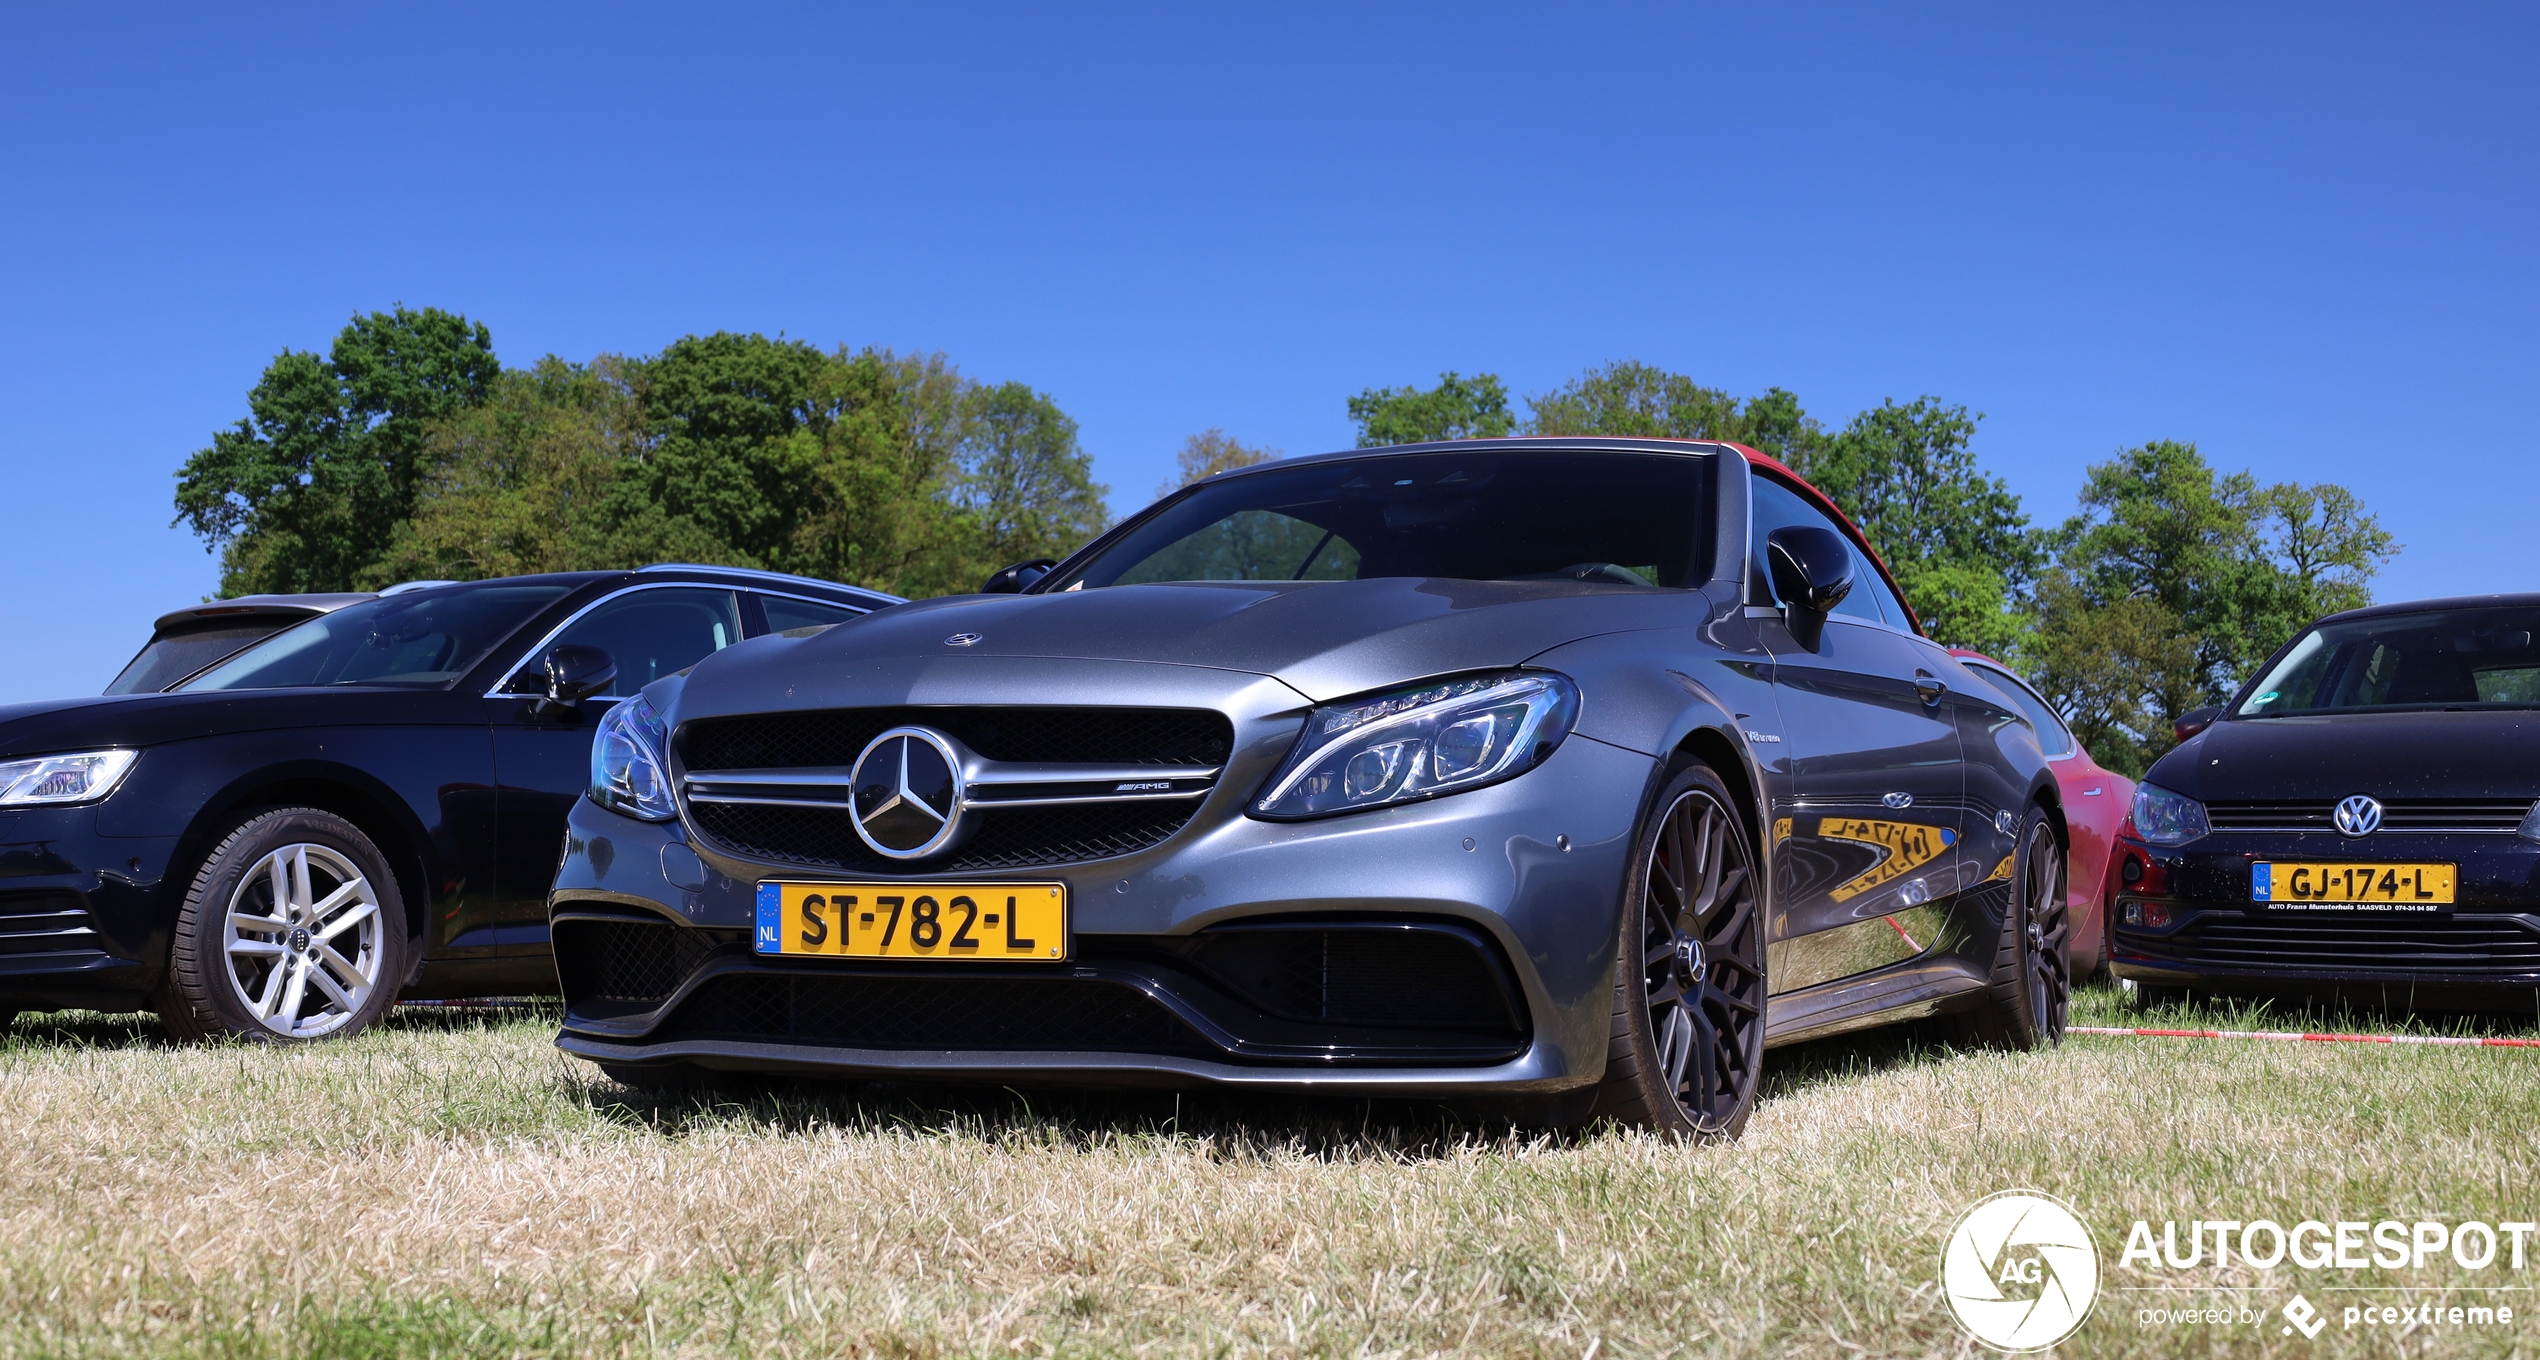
{"points": [[1702, 960], [2048, 926], [303, 940]]}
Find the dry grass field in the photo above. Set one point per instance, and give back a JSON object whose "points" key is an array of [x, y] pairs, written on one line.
{"points": [[450, 1185]]}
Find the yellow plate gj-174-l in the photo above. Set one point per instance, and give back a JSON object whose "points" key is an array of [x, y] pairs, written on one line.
{"points": [[956, 922], [2352, 887]]}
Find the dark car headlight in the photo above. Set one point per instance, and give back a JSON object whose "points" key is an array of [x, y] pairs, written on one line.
{"points": [[1420, 743], [2165, 818], [628, 774]]}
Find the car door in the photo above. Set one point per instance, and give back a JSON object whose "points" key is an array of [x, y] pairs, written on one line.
{"points": [[1868, 833], [542, 762]]}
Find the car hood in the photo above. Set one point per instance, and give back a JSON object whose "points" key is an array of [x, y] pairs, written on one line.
{"points": [[137, 720], [2493, 754], [1324, 639]]}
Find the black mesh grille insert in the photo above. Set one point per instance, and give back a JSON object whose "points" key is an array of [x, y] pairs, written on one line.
{"points": [[628, 961], [2453, 946], [835, 737], [1008, 838], [1044, 1015], [1429, 979]]}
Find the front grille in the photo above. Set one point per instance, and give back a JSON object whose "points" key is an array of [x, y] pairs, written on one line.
{"points": [[1039, 1015], [1073, 736], [1008, 838], [2452, 946], [772, 828], [2409, 815], [628, 961], [45, 922]]}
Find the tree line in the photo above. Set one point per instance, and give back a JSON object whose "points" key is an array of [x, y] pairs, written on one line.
{"points": [[408, 451]]}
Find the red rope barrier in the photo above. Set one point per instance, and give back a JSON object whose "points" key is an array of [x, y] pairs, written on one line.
{"points": [[2294, 1037]]}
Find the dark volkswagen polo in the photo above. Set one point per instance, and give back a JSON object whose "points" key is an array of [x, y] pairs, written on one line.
{"points": [[366, 805], [2360, 818]]}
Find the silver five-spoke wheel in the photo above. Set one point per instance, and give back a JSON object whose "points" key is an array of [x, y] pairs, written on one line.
{"points": [[303, 940]]}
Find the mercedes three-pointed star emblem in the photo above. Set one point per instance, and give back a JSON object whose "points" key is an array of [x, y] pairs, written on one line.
{"points": [[908, 792]]}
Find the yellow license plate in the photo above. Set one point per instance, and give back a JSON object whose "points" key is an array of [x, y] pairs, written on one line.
{"points": [[2359, 887], [958, 922]]}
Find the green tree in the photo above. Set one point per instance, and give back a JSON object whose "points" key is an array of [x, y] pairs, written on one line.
{"points": [[2119, 671], [1457, 408], [2235, 566], [1958, 541], [1025, 484], [528, 482], [1208, 453], [305, 491]]}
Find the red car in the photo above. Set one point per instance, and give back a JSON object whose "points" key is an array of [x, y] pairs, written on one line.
{"points": [[2095, 803]]}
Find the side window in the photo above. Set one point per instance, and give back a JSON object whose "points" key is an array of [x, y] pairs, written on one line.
{"points": [[1876, 585], [1778, 507], [789, 615], [2052, 736], [649, 634]]}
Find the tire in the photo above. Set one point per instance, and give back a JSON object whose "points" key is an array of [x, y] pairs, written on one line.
{"points": [[239, 966], [2028, 1000], [1686, 1053]]}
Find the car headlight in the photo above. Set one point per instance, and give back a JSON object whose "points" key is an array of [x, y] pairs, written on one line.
{"points": [[47, 781], [1420, 743], [2165, 818], [627, 771]]}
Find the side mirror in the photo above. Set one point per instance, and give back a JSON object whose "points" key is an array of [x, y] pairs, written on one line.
{"points": [[1812, 572], [575, 673], [2193, 721], [1018, 578]]}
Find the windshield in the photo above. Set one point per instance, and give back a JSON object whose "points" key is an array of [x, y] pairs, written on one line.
{"points": [[173, 656], [2452, 658], [429, 637], [1620, 519]]}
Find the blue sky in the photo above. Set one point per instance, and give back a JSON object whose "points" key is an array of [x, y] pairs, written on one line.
{"points": [[2302, 236]]}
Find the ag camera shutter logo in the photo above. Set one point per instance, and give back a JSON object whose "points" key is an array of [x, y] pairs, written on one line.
{"points": [[2020, 1271]]}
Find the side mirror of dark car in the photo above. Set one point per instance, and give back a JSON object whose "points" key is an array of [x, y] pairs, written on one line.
{"points": [[2193, 721], [1812, 572], [575, 673], [1018, 578]]}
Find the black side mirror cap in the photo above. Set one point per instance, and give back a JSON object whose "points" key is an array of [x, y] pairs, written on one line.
{"points": [[1812, 572], [2193, 721], [575, 673], [1016, 579]]}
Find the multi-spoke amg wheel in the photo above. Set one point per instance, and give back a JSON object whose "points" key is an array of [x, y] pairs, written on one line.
{"points": [[303, 940], [2047, 932], [2030, 998], [1688, 1043], [293, 929]]}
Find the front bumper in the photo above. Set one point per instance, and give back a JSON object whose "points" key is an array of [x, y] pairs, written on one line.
{"points": [[82, 917], [2185, 916], [1464, 945]]}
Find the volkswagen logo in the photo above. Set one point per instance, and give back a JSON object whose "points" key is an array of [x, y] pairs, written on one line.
{"points": [[907, 794], [2359, 815]]}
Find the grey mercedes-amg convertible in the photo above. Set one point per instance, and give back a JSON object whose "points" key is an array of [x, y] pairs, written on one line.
{"points": [[1563, 774]]}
